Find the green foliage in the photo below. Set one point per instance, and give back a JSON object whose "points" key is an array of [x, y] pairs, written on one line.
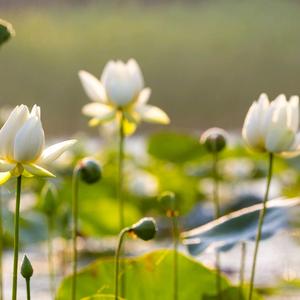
{"points": [[152, 272], [174, 147]]}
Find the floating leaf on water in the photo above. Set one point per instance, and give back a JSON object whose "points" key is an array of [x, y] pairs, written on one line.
{"points": [[152, 273], [229, 230]]}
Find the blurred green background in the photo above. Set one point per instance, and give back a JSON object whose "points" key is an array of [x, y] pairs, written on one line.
{"points": [[206, 61]]}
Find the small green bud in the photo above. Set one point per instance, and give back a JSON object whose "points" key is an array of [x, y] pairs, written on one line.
{"points": [[6, 31], [90, 170], [168, 202], [49, 198], [145, 229], [26, 268], [214, 139]]}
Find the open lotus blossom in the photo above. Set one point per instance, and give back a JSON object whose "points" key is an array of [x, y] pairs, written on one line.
{"points": [[120, 89], [22, 143], [272, 126]]}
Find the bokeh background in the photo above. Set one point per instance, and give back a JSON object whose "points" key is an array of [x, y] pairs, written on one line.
{"points": [[206, 61]]}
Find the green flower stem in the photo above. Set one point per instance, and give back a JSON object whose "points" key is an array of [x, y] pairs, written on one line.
{"points": [[75, 229], [242, 269], [120, 171], [28, 288], [117, 259], [50, 255], [120, 188], [260, 224], [16, 238], [175, 259], [217, 215], [216, 185]]}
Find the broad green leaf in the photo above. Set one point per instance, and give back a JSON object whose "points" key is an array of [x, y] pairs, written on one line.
{"points": [[229, 230], [6, 31], [152, 272], [174, 147]]}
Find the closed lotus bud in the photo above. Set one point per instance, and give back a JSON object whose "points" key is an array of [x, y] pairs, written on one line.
{"points": [[214, 139], [26, 268], [90, 170], [6, 31], [49, 198], [122, 81], [145, 229], [168, 202]]}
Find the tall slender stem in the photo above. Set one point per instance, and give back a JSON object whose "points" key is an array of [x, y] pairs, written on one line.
{"points": [[242, 269], [260, 224], [75, 229], [16, 238], [216, 185], [50, 255], [1, 246], [117, 259], [120, 188], [175, 259], [120, 171], [217, 215], [28, 288]]}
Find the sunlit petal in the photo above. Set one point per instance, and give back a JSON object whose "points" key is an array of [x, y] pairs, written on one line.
{"points": [[37, 170], [4, 177], [153, 114], [53, 152], [9, 130], [29, 141], [6, 166], [92, 86]]}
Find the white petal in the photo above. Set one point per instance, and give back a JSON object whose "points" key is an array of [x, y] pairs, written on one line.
{"points": [[92, 86], [153, 114], [29, 141], [37, 170], [8, 132], [144, 96], [98, 110], [6, 166], [122, 82], [279, 139], [36, 111], [135, 73], [53, 152], [293, 113], [251, 129]]}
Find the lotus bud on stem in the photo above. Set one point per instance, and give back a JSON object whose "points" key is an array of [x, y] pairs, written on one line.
{"points": [[27, 272], [169, 203], [145, 230], [89, 171], [214, 140]]}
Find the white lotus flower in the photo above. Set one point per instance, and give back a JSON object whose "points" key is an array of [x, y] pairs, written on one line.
{"points": [[273, 126], [22, 144], [121, 88]]}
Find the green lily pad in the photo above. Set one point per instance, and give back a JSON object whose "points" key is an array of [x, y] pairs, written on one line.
{"points": [[148, 277], [174, 147], [229, 230]]}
